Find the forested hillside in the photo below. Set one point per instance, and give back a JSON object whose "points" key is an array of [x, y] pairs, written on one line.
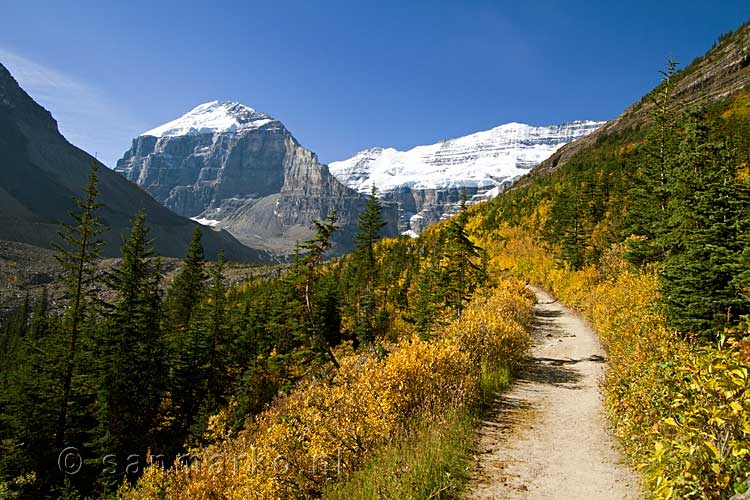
{"points": [[348, 354]]}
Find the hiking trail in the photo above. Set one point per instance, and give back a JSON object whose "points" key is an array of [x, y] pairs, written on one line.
{"points": [[547, 437]]}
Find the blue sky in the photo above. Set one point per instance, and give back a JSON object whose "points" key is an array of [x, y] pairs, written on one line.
{"points": [[344, 76]]}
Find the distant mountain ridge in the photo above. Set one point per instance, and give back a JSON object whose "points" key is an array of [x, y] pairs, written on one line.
{"points": [[229, 166], [427, 182], [41, 173]]}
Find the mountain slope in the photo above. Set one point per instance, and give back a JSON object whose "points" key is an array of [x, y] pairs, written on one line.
{"points": [[230, 166], [41, 172], [428, 181], [601, 189], [644, 228], [722, 72]]}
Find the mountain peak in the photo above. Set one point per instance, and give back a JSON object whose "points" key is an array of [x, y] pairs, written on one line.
{"points": [[212, 118]]}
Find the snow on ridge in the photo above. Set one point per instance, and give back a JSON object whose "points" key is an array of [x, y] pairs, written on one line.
{"points": [[213, 117], [484, 160], [206, 222]]}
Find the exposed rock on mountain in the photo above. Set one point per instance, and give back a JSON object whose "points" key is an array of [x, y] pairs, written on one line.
{"points": [[427, 182], [226, 165], [41, 172]]}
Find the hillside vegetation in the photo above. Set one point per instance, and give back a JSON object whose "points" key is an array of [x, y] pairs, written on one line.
{"points": [[271, 388], [645, 231], [312, 382]]}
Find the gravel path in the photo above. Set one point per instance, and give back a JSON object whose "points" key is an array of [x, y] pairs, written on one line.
{"points": [[546, 438]]}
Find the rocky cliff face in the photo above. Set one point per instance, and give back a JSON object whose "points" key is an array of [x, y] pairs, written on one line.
{"points": [[428, 182], [41, 172], [229, 166]]}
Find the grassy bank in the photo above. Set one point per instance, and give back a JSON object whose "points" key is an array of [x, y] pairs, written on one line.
{"points": [[432, 462]]}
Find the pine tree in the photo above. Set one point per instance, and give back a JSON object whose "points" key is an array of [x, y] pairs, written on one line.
{"points": [[131, 350], [77, 257]]}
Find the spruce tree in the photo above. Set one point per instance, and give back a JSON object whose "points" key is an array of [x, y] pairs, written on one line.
{"points": [[463, 263], [40, 321], [186, 291], [567, 225], [320, 304], [30, 401], [217, 327], [426, 303], [131, 350], [649, 214], [366, 271], [370, 224], [188, 341], [710, 210], [77, 257]]}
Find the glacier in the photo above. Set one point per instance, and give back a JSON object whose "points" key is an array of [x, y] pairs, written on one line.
{"points": [[482, 160], [427, 182]]}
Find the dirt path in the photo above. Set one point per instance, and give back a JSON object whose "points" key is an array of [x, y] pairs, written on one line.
{"points": [[546, 438]]}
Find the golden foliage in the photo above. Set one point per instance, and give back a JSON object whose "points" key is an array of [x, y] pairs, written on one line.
{"points": [[682, 412], [328, 426], [739, 107]]}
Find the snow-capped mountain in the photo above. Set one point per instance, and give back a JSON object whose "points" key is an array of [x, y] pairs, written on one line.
{"points": [[428, 181], [211, 118], [228, 166], [41, 173]]}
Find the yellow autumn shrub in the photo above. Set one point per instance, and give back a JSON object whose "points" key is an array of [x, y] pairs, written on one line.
{"points": [[329, 425], [681, 409], [490, 329]]}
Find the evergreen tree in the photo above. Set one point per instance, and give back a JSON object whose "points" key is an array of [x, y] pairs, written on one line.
{"points": [[40, 320], [30, 401], [370, 224], [427, 302], [567, 225], [217, 331], [186, 291], [320, 305], [710, 208], [649, 213], [77, 257], [131, 350], [188, 342], [450, 270], [463, 266], [366, 271]]}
